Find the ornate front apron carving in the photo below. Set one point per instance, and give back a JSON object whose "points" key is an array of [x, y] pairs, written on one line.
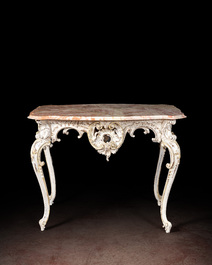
{"points": [[106, 137]]}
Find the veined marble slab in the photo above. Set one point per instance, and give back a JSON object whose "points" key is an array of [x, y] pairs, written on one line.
{"points": [[106, 112]]}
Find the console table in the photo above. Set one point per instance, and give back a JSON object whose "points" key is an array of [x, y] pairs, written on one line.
{"points": [[106, 126]]}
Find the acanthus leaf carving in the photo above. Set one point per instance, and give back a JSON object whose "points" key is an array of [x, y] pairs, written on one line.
{"points": [[57, 126], [152, 125], [169, 141], [106, 137]]}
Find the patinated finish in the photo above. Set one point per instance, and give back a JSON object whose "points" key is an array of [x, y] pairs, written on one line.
{"points": [[106, 126]]}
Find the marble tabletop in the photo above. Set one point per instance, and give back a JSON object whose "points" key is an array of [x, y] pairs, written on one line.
{"points": [[104, 112]]}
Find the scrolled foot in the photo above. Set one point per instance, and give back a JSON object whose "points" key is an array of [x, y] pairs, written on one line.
{"points": [[42, 224], [167, 226]]}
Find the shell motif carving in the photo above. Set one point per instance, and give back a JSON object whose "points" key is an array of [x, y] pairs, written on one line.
{"points": [[106, 137]]}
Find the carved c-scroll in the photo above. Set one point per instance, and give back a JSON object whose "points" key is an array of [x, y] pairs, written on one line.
{"points": [[106, 137]]}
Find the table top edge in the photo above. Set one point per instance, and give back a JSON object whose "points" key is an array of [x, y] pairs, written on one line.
{"points": [[34, 115]]}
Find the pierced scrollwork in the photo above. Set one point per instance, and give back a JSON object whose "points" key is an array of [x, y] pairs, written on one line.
{"points": [[66, 126], [155, 126], [106, 137]]}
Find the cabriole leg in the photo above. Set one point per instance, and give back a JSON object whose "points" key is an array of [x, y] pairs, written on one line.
{"points": [[169, 141], [37, 164], [43, 142]]}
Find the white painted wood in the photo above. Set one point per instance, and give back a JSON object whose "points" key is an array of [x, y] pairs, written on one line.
{"points": [[157, 174], [36, 149], [106, 137], [51, 174]]}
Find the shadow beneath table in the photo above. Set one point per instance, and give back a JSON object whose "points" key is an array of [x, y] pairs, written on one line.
{"points": [[66, 221], [204, 221]]}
